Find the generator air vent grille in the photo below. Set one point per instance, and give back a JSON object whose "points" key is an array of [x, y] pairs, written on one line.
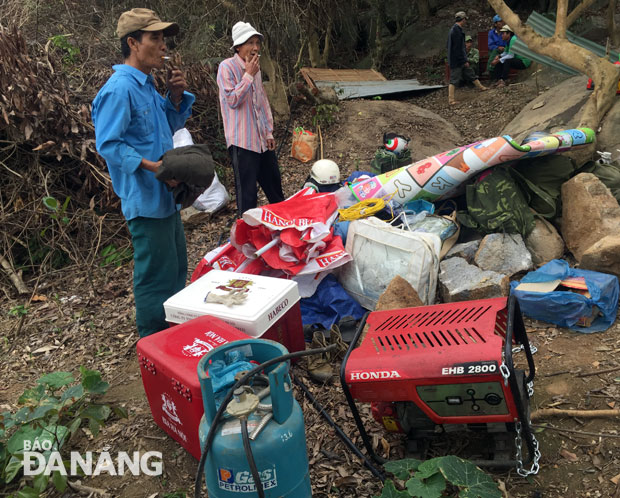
{"points": [[432, 318], [406, 341]]}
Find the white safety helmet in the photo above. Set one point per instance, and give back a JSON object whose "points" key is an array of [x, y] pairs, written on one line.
{"points": [[395, 143], [325, 172]]}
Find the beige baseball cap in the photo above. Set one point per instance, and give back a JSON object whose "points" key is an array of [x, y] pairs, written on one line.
{"points": [[506, 28], [144, 20], [460, 15]]}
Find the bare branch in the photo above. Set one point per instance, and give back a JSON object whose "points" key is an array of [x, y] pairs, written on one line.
{"points": [[577, 11], [560, 20]]}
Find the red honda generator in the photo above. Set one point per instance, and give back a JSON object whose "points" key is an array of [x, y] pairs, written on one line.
{"points": [[444, 368]]}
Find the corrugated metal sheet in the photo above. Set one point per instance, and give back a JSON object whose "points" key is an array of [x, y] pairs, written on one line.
{"points": [[358, 89], [546, 27]]}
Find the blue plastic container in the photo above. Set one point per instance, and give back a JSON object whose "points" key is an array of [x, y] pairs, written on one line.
{"points": [[279, 450]]}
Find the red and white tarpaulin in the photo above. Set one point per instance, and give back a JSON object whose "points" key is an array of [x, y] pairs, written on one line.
{"points": [[295, 235]]}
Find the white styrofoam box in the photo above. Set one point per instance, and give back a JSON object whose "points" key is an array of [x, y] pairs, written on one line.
{"points": [[268, 299]]}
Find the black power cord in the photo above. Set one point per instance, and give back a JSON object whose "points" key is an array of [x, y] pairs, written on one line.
{"points": [[339, 431], [229, 395], [248, 454]]}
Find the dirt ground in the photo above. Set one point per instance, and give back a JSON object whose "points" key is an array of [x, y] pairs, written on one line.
{"points": [[85, 317]]}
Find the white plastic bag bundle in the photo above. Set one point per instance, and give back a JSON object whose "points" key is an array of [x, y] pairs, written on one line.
{"points": [[380, 252], [215, 197], [212, 199]]}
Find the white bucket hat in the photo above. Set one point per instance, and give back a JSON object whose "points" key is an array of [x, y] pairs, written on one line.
{"points": [[242, 32]]}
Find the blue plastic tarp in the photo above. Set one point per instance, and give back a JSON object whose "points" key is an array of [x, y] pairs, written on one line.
{"points": [[565, 308]]}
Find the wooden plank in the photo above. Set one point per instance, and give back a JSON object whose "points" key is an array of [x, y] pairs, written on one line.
{"points": [[304, 72], [325, 74]]}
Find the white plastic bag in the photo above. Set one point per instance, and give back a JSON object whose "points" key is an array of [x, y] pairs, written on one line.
{"points": [[380, 252], [212, 199], [215, 197]]}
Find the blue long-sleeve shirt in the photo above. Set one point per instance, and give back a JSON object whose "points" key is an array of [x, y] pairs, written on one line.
{"points": [[495, 40], [133, 121]]}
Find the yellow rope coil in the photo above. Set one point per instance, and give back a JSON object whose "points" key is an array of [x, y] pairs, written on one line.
{"points": [[362, 209]]}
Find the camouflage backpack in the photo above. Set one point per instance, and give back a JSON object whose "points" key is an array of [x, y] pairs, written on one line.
{"points": [[498, 203], [385, 160]]}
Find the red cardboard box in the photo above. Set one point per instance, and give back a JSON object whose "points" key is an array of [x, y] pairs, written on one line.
{"points": [[168, 364], [270, 309]]}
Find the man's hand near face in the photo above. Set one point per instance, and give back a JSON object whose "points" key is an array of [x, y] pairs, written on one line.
{"points": [[176, 85]]}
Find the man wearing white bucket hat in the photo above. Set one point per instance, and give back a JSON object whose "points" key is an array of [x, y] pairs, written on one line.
{"points": [[248, 122]]}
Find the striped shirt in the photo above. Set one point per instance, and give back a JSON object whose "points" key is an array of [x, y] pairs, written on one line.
{"points": [[246, 113]]}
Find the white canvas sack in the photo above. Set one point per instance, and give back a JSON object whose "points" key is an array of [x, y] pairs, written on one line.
{"points": [[380, 252]]}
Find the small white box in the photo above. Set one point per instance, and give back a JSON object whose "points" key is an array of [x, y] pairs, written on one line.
{"points": [[270, 310]]}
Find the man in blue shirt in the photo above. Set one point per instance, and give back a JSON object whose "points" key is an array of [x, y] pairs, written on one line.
{"points": [[134, 125], [495, 41]]}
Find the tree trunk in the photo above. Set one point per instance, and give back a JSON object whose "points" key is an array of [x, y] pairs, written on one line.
{"points": [[614, 32], [603, 73], [424, 9], [314, 53], [328, 41], [274, 87]]}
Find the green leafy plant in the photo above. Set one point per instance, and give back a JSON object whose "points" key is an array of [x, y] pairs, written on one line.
{"points": [[111, 255], [19, 310], [432, 478], [324, 114], [59, 212], [70, 51], [51, 413]]}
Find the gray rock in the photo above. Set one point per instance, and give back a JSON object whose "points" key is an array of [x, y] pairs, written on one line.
{"points": [[503, 253], [460, 281], [544, 243], [190, 216], [589, 213], [465, 250], [603, 256], [608, 139], [557, 109]]}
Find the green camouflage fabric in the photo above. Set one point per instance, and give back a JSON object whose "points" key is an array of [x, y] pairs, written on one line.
{"points": [[543, 177], [385, 160], [498, 204]]}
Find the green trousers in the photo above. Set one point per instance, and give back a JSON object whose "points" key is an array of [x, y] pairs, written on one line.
{"points": [[160, 268], [492, 55]]}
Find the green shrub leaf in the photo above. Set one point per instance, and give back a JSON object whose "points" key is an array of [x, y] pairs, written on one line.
{"points": [[12, 468], [27, 492], [24, 433], [50, 203], [59, 480], [40, 482], [428, 468], [72, 394], [474, 483], [56, 380], [432, 487], [402, 469], [390, 491], [92, 383]]}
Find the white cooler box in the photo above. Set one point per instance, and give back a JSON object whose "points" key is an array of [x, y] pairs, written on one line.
{"points": [[270, 310]]}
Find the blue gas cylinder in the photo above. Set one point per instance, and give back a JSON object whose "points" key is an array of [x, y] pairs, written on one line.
{"points": [[278, 448]]}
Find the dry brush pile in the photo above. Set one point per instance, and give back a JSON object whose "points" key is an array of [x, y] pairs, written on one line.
{"points": [[57, 207]]}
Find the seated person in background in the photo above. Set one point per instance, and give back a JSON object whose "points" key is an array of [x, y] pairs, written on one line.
{"points": [[508, 60], [495, 41], [473, 55]]}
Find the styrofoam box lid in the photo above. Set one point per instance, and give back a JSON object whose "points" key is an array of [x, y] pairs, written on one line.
{"points": [[268, 299]]}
